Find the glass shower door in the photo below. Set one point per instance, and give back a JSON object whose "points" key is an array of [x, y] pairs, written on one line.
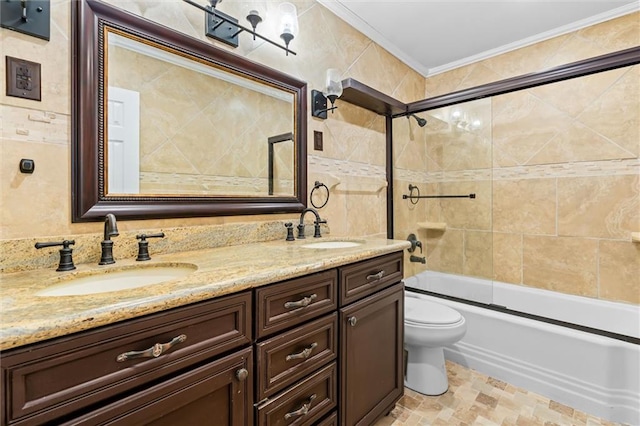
{"points": [[447, 164]]}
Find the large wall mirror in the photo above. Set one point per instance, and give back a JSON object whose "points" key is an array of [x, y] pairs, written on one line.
{"points": [[169, 126]]}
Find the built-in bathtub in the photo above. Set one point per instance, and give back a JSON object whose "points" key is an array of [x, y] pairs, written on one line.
{"points": [[588, 370]]}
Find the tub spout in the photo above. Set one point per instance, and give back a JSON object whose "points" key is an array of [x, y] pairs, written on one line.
{"points": [[418, 259]]}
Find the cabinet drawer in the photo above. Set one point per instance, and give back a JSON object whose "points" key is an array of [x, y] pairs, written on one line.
{"points": [[331, 420], [293, 302], [218, 393], [364, 278], [303, 403], [290, 356], [48, 380]]}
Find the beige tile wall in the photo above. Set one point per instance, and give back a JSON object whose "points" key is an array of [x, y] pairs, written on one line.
{"points": [[557, 172], [200, 134], [354, 139]]}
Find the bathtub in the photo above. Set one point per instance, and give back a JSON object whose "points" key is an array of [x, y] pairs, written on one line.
{"points": [[594, 373]]}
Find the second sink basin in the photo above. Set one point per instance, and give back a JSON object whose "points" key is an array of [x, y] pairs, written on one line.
{"points": [[104, 281], [332, 244]]}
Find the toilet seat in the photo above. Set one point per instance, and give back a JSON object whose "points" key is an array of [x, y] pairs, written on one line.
{"points": [[421, 312]]}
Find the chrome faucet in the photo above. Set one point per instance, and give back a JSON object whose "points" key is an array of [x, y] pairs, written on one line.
{"points": [[110, 230], [316, 223]]}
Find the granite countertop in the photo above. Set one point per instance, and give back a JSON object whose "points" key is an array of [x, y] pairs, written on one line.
{"points": [[27, 318]]}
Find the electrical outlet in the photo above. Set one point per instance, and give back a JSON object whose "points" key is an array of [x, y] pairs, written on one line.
{"points": [[23, 79]]}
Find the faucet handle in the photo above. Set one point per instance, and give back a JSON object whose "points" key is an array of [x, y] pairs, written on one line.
{"points": [[316, 227], [143, 245], [301, 231], [414, 243], [66, 259], [289, 227]]}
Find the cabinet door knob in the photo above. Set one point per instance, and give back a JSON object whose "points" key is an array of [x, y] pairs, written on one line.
{"points": [[302, 411], [153, 352], [302, 303], [242, 374], [353, 321]]}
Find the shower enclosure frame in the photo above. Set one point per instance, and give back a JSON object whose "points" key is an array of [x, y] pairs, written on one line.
{"points": [[366, 97], [359, 94]]}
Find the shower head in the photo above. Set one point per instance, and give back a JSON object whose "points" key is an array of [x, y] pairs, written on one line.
{"points": [[421, 121]]}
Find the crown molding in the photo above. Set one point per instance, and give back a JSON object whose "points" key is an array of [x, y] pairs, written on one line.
{"points": [[565, 29], [343, 12]]}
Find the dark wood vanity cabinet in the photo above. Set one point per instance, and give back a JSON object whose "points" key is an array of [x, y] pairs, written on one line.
{"points": [[371, 380], [371, 339], [95, 377], [296, 350], [327, 350], [215, 394]]}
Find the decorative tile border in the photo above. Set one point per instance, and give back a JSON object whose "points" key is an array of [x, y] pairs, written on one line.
{"points": [[207, 184], [344, 167], [539, 171]]}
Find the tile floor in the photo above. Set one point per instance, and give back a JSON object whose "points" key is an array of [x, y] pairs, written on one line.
{"points": [[476, 399]]}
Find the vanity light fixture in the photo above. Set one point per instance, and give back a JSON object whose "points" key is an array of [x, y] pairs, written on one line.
{"points": [[288, 23], [332, 91], [225, 28], [31, 17]]}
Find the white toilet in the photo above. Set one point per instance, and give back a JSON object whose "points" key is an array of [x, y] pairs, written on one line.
{"points": [[428, 327]]}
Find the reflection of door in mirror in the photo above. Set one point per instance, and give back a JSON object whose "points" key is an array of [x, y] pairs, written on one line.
{"points": [[281, 174], [202, 130], [124, 141]]}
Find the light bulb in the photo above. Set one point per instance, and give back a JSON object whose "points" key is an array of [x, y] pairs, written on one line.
{"points": [[333, 85], [288, 22]]}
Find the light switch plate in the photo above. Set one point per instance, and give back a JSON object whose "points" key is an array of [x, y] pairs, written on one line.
{"points": [[23, 79], [317, 140]]}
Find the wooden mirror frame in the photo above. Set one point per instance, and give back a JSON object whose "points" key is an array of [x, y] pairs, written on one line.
{"points": [[89, 202]]}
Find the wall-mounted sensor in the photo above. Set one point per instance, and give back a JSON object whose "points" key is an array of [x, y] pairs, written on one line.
{"points": [[27, 166]]}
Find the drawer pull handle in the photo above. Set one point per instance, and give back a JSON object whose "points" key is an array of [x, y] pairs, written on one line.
{"points": [[242, 374], [302, 411], [375, 277], [353, 321], [153, 352], [304, 354], [302, 303]]}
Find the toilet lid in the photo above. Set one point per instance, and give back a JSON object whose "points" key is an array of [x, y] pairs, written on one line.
{"points": [[427, 312]]}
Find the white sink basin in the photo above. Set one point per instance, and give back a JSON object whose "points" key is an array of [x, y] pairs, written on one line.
{"points": [[332, 244], [115, 280]]}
